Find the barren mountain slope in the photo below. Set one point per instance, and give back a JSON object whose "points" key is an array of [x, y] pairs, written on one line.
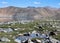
{"points": [[16, 13]]}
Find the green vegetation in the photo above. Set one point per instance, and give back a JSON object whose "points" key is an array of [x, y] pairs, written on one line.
{"points": [[29, 27]]}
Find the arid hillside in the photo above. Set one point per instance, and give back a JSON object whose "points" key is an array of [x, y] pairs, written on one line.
{"points": [[30, 13]]}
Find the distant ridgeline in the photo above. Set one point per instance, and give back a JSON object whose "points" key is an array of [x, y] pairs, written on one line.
{"points": [[29, 13]]}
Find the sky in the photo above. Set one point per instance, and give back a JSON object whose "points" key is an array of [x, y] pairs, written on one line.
{"points": [[32, 3]]}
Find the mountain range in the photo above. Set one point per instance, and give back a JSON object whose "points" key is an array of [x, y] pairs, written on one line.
{"points": [[12, 13]]}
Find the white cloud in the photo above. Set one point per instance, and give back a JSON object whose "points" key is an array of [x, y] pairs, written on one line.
{"points": [[4, 2], [37, 3]]}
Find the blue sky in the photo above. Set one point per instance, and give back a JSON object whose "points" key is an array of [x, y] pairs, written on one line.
{"points": [[34, 3]]}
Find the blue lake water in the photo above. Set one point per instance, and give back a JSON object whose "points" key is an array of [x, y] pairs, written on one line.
{"points": [[22, 38]]}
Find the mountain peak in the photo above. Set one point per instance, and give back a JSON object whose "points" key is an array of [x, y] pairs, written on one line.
{"points": [[17, 13], [11, 7]]}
